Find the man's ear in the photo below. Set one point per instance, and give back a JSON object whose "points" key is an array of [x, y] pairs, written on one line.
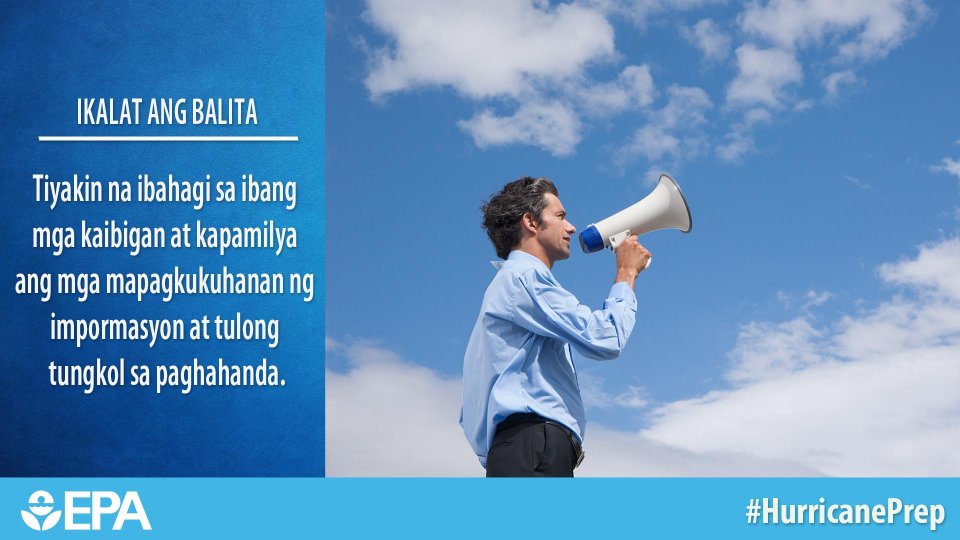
{"points": [[527, 223]]}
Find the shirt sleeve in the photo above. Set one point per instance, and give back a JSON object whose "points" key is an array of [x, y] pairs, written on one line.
{"points": [[545, 308]]}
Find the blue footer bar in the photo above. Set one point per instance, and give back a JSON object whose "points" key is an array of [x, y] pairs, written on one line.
{"points": [[474, 508]]}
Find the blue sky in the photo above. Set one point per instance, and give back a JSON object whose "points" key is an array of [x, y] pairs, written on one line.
{"points": [[817, 145]]}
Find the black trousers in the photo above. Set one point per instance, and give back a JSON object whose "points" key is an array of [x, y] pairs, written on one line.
{"points": [[530, 445]]}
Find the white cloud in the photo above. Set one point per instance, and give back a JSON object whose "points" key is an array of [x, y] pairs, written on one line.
{"points": [[530, 65], [524, 62], [672, 131], [388, 417], [552, 126], [653, 141], [949, 166], [780, 30], [767, 350], [864, 29], [483, 48], [616, 453], [873, 394], [813, 298], [803, 105], [935, 270], [886, 416], [631, 90], [734, 146], [640, 11], [832, 83], [710, 39], [332, 345], [807, 300], [762, 75], [591, 389], [856, 181], [739, 140], [685, 107]]}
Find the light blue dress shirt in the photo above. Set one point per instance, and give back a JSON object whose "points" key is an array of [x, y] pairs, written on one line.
{"points": [[519, 358]]}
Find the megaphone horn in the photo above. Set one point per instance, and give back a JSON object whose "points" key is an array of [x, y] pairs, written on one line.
{"points": [[664, 208]]}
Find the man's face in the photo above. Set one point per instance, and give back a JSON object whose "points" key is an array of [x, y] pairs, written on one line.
{"points": [[555, 231]]}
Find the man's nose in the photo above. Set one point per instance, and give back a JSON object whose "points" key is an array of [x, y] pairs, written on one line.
{"points": [[570, 228]]}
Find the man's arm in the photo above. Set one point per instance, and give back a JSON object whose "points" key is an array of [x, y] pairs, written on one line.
{"points": [[632, 258], [548, 309]]}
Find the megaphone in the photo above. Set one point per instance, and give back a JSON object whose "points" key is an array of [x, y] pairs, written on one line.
{"points": [[664, 208]]}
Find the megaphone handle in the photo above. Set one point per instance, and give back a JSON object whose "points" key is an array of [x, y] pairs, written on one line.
{"points": [[618, 239]]}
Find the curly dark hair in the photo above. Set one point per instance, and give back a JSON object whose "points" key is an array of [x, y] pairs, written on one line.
{"points": [[502, 212]]}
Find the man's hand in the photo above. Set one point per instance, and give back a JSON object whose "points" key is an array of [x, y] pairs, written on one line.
{"points": [[632, 258]]}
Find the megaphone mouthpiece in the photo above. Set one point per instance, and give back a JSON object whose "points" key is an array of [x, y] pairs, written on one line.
{"points": [[664, 208]]}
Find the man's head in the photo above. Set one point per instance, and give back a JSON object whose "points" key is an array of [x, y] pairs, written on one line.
{"points": [[527, 214]]}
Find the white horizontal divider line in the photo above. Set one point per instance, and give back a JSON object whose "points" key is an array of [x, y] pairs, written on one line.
{"points": [[164, 138]]}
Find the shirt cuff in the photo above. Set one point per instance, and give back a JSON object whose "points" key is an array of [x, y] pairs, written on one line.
{"points": [[621, 292]]}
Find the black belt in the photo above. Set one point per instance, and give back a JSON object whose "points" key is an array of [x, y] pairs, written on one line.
{"points": [[517, 419]]}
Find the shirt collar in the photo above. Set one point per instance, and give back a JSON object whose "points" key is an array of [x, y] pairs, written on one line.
{"points": [[523, 258]]}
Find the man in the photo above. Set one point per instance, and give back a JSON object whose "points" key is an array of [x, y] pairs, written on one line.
{"points": [[522, 411]]}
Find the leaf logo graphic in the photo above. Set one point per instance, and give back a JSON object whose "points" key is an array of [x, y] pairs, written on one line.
{"points": [[51, 520], [41, 504], [30, 520]]}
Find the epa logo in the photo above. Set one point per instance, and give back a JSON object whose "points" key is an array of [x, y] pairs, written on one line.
{"points": [[41, 506], [84, 510]]}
